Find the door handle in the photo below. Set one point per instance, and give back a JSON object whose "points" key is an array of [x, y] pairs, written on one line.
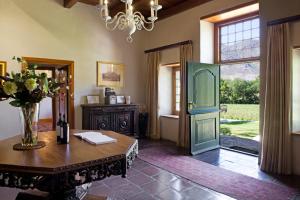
{"points": [[190, 105]]}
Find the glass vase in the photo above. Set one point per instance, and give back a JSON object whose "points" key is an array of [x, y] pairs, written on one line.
{"points": [[29, 118]]}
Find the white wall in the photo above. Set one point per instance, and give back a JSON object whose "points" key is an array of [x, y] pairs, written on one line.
{"points": [[206, 42], [46, 29]]}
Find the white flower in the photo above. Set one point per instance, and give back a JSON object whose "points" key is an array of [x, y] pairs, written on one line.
{"points": [[10, 88], [31, 84]]}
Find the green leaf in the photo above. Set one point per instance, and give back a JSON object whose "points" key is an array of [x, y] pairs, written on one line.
{"points": [[15, 103]]}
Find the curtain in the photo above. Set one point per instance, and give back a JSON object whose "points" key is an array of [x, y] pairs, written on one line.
{"points": [[186, 54], [276, 133], [153, 61]]}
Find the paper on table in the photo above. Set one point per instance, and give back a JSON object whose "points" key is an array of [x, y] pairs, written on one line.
{"points": [[95, 137]]}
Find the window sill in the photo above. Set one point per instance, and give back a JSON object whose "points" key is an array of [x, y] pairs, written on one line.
{"points": [[296, 133], [170, 116]]}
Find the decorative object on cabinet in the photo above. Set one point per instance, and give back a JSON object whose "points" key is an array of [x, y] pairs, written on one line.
{"points": [[118, 118], [111, 100], [110, 74], [120, 99], [128, 99], [93, 99]]}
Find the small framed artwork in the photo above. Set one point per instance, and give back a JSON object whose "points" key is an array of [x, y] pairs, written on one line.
{"points": [[93, 99], [120, 100], [2, 69], [110, 74]]}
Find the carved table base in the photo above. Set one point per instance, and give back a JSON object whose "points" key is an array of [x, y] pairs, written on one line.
{"points": [[73, 183]]}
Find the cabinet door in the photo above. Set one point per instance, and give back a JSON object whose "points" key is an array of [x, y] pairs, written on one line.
{"points": [[124, 122], [102, 122]]}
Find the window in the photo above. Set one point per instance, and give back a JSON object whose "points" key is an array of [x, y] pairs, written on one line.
{"points": [[239, 41], [176, 90]]}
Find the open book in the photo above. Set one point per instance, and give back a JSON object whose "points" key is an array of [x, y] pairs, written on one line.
{"points": [[95, 137]]}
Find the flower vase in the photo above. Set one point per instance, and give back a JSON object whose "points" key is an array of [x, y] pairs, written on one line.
{"points": [[29, 117]]}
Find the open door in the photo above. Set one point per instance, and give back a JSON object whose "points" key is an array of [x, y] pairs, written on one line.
{"points": [[203, 106]]}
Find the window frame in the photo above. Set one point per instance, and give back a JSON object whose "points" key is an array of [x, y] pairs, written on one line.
{"points": [[217, 38], [174, 70]]}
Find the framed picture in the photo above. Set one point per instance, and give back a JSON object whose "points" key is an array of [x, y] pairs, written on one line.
{"points": [[110, 74], [120, 100], [2, 69], [93, 99]]}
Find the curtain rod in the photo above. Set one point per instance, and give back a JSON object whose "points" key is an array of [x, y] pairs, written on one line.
{"points": [[169, 46], [284, 20]]}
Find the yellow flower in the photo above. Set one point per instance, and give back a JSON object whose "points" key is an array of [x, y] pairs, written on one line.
{"points": [[10, 88], [31, 84]]}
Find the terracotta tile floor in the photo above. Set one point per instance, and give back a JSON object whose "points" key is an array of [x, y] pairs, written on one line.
{"points": [[147, 182]]}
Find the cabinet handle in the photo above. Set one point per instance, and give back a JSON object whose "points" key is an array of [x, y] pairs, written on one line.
{"points": [[123, 124]]}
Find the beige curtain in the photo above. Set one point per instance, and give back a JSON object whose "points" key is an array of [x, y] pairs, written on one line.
{"points": [[186, 54], [153, 61], [276, 136]]}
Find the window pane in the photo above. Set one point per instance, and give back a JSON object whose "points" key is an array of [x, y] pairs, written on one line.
{"points": [[247, 35], [224, 39], [255, 23], [224, 30], [247, 25], [246, 71], [239, 40], [239, 27], [231, 28], [255, 33]]}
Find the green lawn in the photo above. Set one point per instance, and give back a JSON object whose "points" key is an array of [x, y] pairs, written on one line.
{"points": [[248, 112], [248, 128]]}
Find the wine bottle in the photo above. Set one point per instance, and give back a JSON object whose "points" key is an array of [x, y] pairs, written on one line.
{"points": [[61, 131], [58, 129], [66, 135]]}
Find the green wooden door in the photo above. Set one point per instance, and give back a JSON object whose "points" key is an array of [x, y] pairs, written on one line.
{"points": [[203, 106]]}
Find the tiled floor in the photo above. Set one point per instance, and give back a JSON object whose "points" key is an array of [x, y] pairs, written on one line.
{"points": [[146, 182]]}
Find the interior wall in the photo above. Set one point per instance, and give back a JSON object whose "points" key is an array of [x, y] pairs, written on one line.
{"points": [[272, 10], [206, 42], [48, 30], [186, 25]]}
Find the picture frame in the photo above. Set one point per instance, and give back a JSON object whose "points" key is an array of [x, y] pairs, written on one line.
{"points": [[110, 74], [3, 69], [93, 99], [120, 99]]}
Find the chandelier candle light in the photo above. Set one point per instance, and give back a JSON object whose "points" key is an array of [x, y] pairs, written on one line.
{"points": [[129, 20]]}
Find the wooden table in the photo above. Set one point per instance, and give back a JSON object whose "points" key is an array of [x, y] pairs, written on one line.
{"points": [[60, 169]]}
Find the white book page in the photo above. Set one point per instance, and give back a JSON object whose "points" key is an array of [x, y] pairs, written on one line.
{"points": [[95, 137]]}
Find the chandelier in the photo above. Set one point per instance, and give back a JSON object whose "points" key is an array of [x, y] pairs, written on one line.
{"points": [[129, 21]]}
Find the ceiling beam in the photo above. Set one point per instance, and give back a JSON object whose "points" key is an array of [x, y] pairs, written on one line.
{"points": [[180, 7], [69, 3], [121, 6]]}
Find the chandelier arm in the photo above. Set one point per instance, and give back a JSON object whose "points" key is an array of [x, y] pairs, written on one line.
{"points": [[140, 20], [115, 20]]}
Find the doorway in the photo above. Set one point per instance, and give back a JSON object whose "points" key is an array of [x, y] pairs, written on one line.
{"points": [[239, 58], [63, 103]]}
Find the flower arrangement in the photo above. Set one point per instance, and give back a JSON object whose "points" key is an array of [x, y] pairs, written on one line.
{"points": [[27, 89]]}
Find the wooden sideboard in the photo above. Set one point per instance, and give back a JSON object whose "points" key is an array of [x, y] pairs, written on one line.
{"points": [[119, 118]]}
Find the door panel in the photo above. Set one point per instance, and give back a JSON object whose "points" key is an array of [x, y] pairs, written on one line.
{"points": [[204, 132], [203, 88], [203, 106]]}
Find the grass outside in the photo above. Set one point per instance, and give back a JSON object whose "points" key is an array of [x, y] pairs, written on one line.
{"points": [[247, 127]]}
